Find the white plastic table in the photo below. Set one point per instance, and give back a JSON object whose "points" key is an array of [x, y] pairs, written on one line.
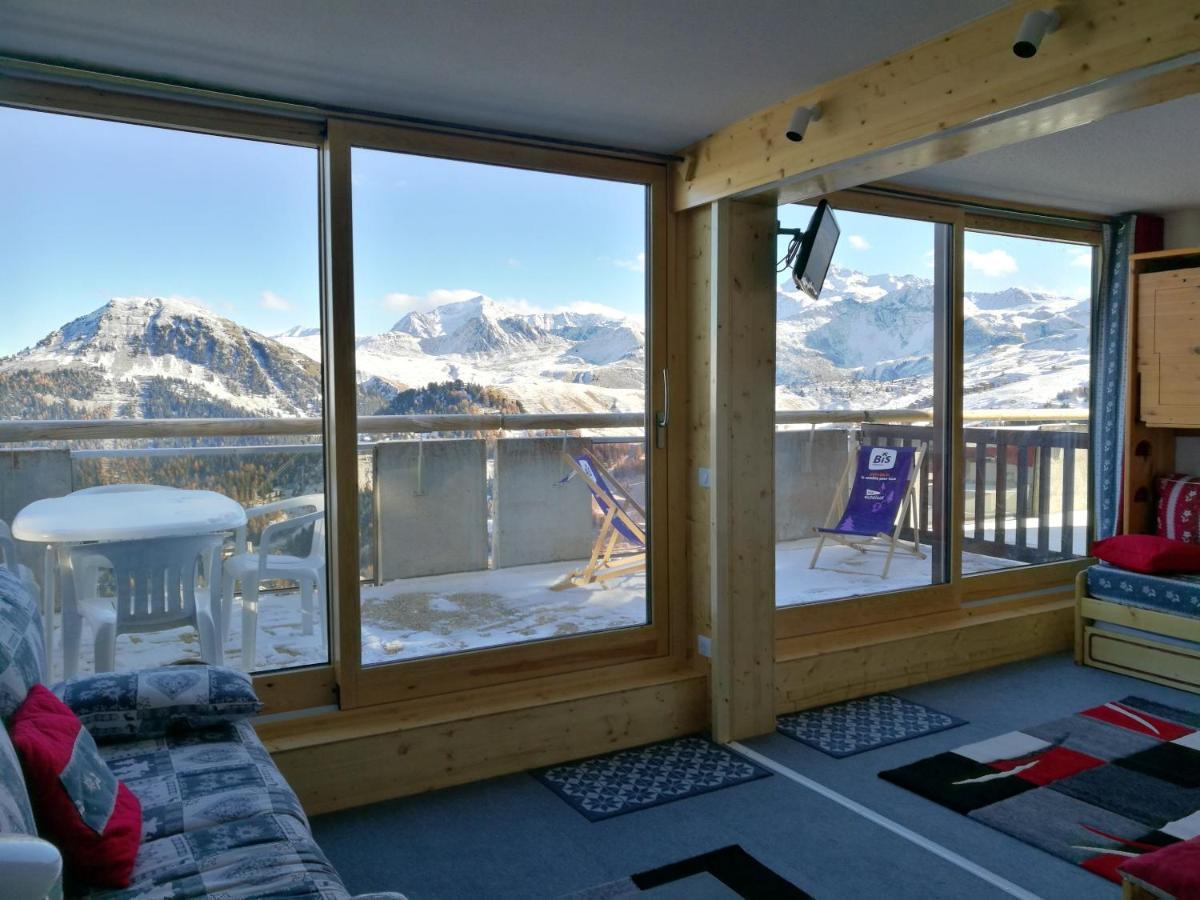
{"points": [[59, 522]]}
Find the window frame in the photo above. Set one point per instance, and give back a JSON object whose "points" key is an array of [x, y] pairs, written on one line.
{"points": [[959, 592], [368, 685]]}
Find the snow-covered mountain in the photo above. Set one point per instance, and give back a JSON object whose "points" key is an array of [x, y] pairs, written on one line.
{"points": [[143, 357], [867, 342], [547, 362]]}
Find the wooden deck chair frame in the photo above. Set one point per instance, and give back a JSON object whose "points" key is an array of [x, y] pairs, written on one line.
{"points": [[863, 543], [602, 564]]}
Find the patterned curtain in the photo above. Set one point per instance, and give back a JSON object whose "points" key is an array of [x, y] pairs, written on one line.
{"points": [[1108, 375], [1124, 235]]}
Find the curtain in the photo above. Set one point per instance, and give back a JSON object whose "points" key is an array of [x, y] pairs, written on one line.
{"points": [[1124, 235]]}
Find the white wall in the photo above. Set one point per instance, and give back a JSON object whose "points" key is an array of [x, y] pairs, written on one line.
{"points": [[1181, 228]]}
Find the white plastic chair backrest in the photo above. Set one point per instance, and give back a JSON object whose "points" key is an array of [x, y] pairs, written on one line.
{"points": [[155, 580], [315, 502], [279, 531], [121, 488]]}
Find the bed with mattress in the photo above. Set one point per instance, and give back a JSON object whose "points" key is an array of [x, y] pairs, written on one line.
{"points": [[1147, 626]]}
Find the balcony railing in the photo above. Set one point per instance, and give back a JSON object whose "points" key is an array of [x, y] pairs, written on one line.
{"points": [[1022, 510]]}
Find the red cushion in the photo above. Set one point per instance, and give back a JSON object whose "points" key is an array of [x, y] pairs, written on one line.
{"points": [[1175, 869], [1148, 553], [1179, 508], [70, 786]]}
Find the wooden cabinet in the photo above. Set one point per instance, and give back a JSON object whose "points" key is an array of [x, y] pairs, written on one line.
{"points": [[1168, 347]]}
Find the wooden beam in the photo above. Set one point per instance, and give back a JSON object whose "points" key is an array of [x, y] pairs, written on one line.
{"points": [[957, 94], [742, 454]]}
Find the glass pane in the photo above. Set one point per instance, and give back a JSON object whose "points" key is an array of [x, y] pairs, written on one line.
{"points": [[1027, 334], [485, 293], [145, 271], [860, 409]]}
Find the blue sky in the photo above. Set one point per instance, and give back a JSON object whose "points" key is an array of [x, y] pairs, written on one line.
{"points": [[875, 244], [95, 210]]}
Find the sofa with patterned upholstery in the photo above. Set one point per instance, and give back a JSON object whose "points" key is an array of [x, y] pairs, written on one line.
{"points": [[217, 815]]}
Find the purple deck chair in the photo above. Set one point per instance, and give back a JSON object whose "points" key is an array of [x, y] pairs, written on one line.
{"points": [[876, 495], [622, 519]]}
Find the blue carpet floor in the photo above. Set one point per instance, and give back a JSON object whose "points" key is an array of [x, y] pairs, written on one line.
{"points": [[510, 837]]}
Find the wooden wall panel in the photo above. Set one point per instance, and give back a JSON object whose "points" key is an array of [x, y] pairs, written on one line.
{"points": [[826, 669], [412, 757]]}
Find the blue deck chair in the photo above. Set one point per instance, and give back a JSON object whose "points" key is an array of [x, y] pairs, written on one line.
{"points": [[623, 522], [876, 495]]}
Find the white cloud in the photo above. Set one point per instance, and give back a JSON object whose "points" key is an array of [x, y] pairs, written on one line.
{"points": [[637, 264], [928, 259], [1082, 259], [991, 264], [438, 297], [513, 263], [271, 300], [858, 242]]}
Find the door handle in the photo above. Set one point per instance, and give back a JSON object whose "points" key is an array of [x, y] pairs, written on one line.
{"points": [[663, 417]]}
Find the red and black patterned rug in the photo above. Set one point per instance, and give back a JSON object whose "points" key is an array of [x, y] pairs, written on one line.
{"points": [[1095, 788]]}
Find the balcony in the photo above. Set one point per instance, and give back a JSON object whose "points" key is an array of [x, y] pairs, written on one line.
{"points": [[469, 524]]}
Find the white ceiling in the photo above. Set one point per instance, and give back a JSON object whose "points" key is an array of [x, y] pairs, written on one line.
{"points": [[1142, 161], [647, 74]]}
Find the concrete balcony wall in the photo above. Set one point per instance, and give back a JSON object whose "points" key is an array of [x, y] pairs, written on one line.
{"points": [[29, 475], [430, 507], [538, 516], [808, 465]]}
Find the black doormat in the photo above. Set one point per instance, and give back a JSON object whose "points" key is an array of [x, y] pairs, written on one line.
{"points": [[728, 872], [630, 780]]}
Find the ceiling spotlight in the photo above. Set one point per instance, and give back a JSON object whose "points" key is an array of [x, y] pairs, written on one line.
{"points": [[1034, 27], [800, 119]]}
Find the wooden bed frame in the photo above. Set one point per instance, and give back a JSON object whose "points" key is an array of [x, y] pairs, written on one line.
{"points": [[1138, 655]]}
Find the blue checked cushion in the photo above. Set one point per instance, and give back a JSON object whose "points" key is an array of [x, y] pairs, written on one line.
{"points": [[204, 778], [16, 812], [148, 703], [22, 652], [261, 856]]}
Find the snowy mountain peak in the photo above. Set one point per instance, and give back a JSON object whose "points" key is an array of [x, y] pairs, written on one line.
{"points": [[297, 331]]}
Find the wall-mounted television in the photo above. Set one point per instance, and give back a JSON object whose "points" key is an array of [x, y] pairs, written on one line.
{"points": [[816, 250]]}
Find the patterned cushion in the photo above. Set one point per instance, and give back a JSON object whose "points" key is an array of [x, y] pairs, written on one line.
{"points": [[16, 813], [153, 702], [262, 856], [200, 779], [22, 652]]}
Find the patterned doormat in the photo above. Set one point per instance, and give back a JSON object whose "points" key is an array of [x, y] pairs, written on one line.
{"points": [[629, 780], [728, 872], [855, 726], [1095, 788]]}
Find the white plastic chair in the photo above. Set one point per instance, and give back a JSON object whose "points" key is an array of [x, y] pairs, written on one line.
{"points": [[251, 568], [155, 585]]}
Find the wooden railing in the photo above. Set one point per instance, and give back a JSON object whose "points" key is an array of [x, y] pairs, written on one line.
{"points": [[1021, 461]]}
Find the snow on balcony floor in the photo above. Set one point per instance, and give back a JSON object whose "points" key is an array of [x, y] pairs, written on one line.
{"points": [[843, 572], [439, 614]]}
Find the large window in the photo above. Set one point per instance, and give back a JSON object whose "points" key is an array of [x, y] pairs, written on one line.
{"points": [[862, 365], [1027, 312], [501, 359], [158, 418]]}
